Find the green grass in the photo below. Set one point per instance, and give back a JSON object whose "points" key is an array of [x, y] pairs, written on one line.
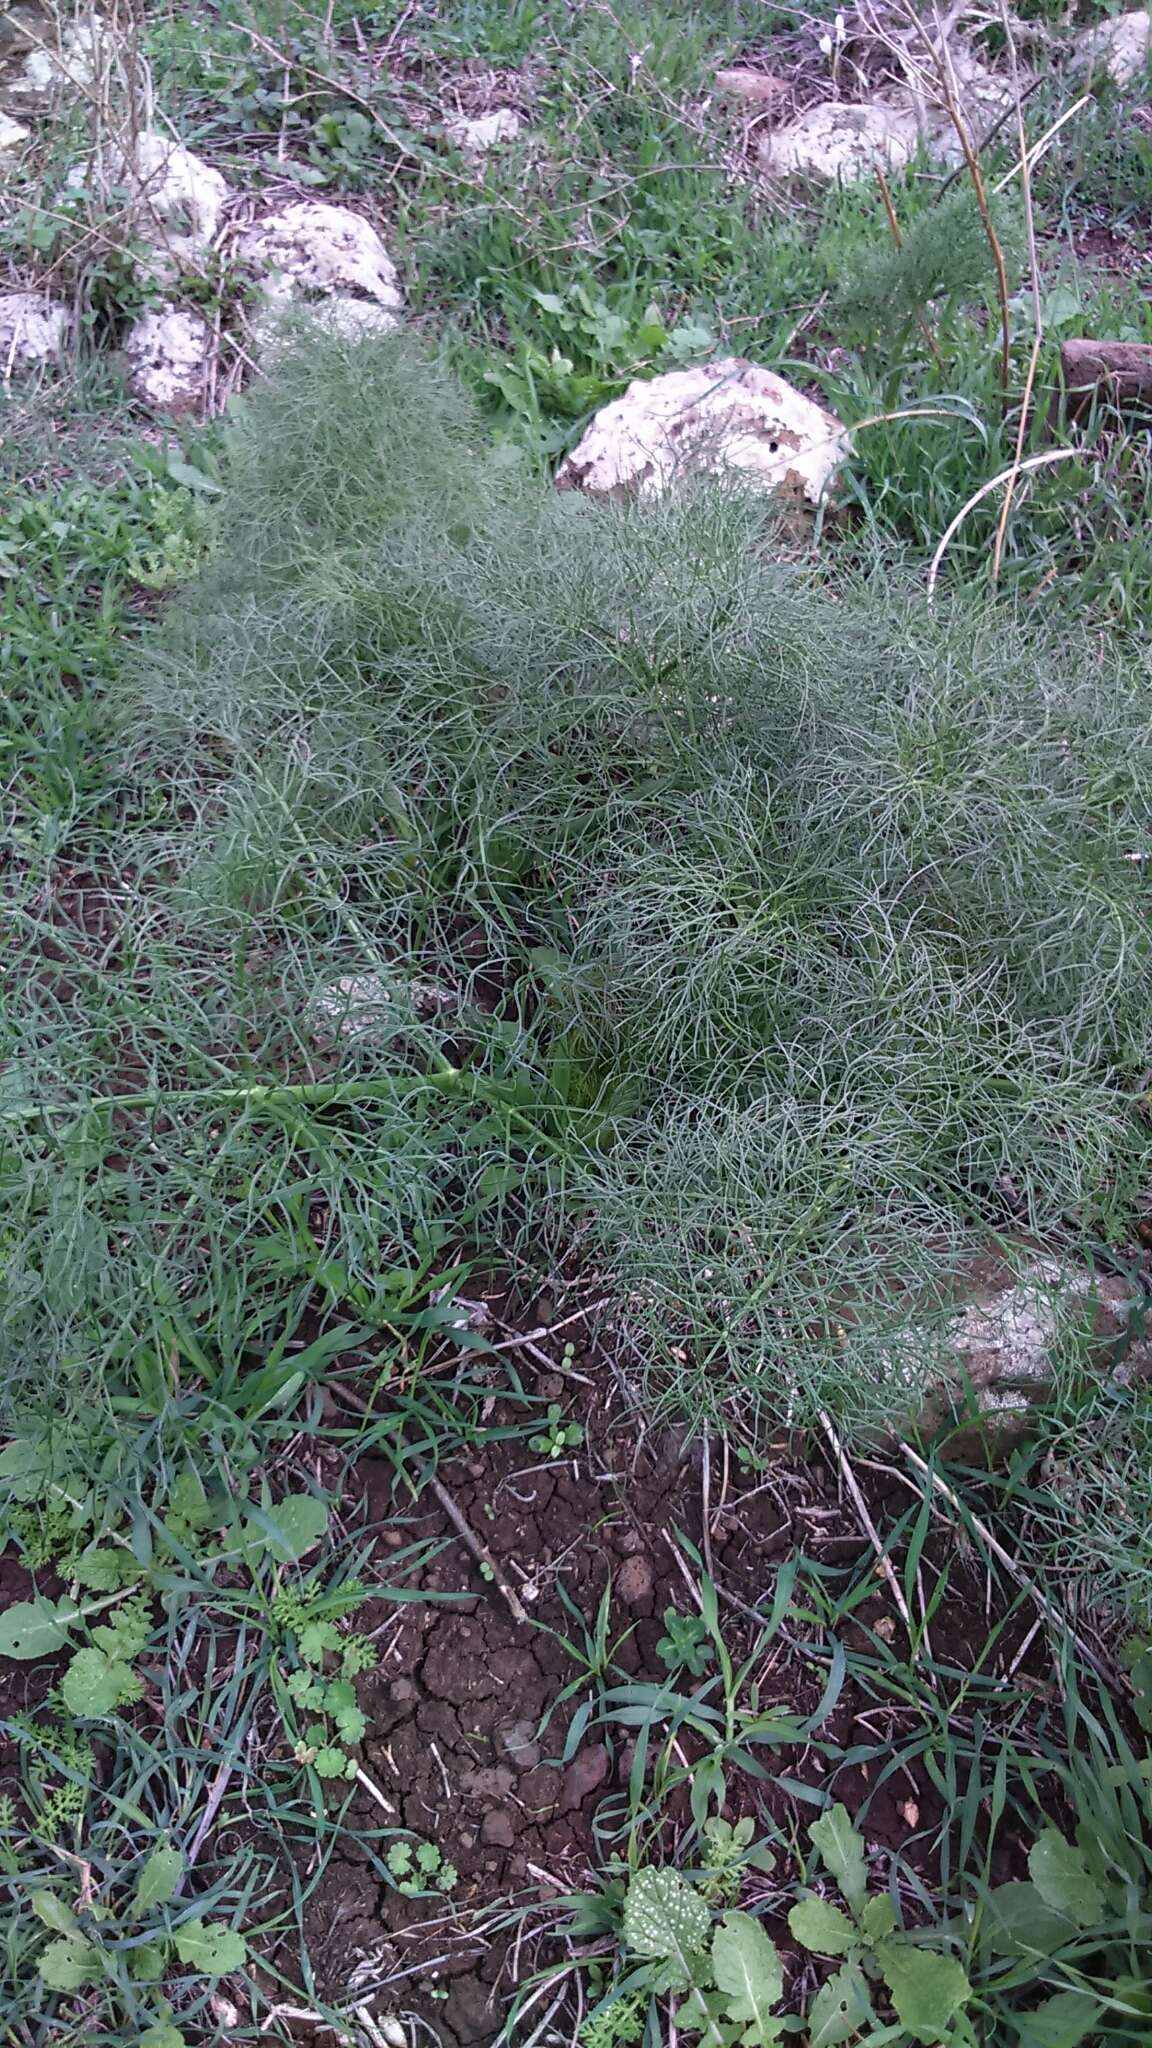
{"points": [[412, 873], [853, 936]]}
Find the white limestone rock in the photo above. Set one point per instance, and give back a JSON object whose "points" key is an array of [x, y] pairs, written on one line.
{"points": [[34, 329], [168, 352], [310, 252], [725, 417]]}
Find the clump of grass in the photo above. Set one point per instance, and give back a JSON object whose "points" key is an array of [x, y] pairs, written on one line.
{"points": [[827, 899]]}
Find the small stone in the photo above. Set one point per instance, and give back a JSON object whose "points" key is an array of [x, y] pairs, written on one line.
{"points": [[498, 1828], [373, 1007], [841, 141], [550, 1387], [72, 57], [584, 1775], [728, 418], [519, 1745], [402, 1689], [13, 135], [330, 260], [757, 88], [635, 1581], [392, 1539], [33, 329], [168, 352], [478, 135], [176, 196]]}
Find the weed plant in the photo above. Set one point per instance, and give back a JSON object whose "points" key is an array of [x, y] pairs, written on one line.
{"points": [[790, 938]]}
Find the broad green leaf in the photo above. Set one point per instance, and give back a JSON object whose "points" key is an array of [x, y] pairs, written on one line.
{"points": [[704, 2013], [192, 479], [843, 1852], [159, 1878], [747, 1966], [1061, 2022], [290, 1528], [205, 1945], [25, 1465], [1020, 1922], [146, 1963], [1061, 1875], [55, 1913], [820, 1926], [164, 2036], [927, 1990], [878, 1918], [36, 1628], [96, 1684], [840, 2009], [70, 1964], [666, 1920]]}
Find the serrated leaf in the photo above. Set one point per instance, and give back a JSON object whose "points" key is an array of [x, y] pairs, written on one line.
{"points": [[666, 1920], [329, 1762], [159, 1878], [95, 1684], [840, 2009], [1061, 1875], [927, 1990], [103, 1570], [290, 1528], [70, 1965], [36, 1628], [205, 1945], [822, 1927], [746, 1966], [1020, 1922], [842, 1850], [1061, 2022], [54, 1913]]}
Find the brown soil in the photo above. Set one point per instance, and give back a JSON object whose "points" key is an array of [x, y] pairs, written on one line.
{"points": [[461, 1742], [456, 1704]]}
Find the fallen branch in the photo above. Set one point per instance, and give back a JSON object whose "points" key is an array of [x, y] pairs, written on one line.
{"points": [[480, 1551], [868, 1525]]}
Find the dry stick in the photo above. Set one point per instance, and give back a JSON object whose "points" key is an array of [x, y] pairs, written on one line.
{"points": [[1015, 1571], [550, 1329], [362, 1778], [1038, 149], [993, 484], [898, 238], [991, 133], [480, 1551], [211, 1809], [868, 1525], [1037, 310]]}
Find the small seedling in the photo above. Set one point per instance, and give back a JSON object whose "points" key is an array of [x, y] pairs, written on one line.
{"points": [[686, 1643], [557, 1436], [419, 1868]]}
